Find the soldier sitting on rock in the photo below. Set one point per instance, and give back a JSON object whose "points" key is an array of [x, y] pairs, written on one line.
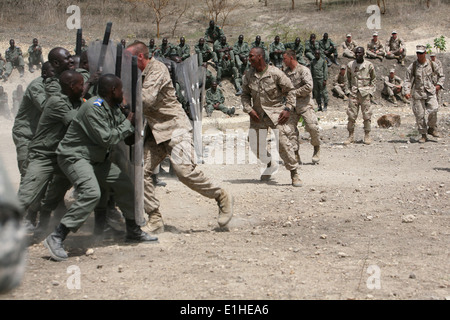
{"points": [[393, 86], [215, 101]]}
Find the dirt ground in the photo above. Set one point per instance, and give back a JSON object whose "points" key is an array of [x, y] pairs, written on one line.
{"points": [[371, 222]]}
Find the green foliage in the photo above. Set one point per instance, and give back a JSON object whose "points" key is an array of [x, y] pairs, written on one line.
{"points": [[439, 44], [428, 47]]}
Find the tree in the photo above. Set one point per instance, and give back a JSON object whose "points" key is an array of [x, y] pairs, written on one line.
{"points": [[221, 9]]}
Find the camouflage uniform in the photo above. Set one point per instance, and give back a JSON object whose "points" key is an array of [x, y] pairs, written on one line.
{"points": [[373, 47], [310, 48], [349, 49], [27, 119], [218, 45], [419, 83], [319, 72], [275, 57], [303, 83], [435, 78], [213, 34], [14, 58], [35, 57], [390, 90], [205, 53], [361, 81], [265, 94], [238, 50], [340, 86], [227, 68], [213, 97], [329, 50], [183, 52], [261, 44], [170, 135], [393, 47], [299, 50]]}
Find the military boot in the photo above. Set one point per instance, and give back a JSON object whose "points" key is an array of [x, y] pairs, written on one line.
{"points": [[231, 111], [423, 139], [325, 107], [157, 182], [351, 138], [225, 203], [135, 233], [155, 223], [319, 108], [54, 243], [296, 182], [316, 155], [267, 175], [433, 132], [367, 138]]}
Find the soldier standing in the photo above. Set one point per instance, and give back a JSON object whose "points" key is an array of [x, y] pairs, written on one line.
{"points": [[264, 89], [361, 81], [375, 49], [393, 85], [215, 101], [420, 86], [395, 48], [241, 51], [276, 50], [298, 48], [83, 157], [349, 46], [35, 57], [170, 136], [340, 84], [329, 49], [301, 78], [319, 72], [14, 59]]}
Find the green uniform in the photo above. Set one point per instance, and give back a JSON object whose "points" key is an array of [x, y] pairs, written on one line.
{"points": [[299, 50], [218, 46], [183, 51], [83, 157], [238, 50], [213, 34], [227, 68], [329, 50], [151, 50], [27, 119], [205, 53], [310, 48], [319, 72], [275, 56], [214, 97], [165, 51], [42, 163], [17, 99], [14, 58], [35, 56]]}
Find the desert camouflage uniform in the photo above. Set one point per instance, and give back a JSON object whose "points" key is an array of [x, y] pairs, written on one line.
{"points": [[435, 78], [265, 93], [393, 46], [373, 47], [422, 88], [361, 80], [349, 49], [340, 86], [390, 85]]}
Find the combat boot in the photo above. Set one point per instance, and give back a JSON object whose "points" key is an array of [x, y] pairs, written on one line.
{"points": [[433, 132], [54, 243], [155, 223], [367, 138], [325, 107], [351, 138], [316, 155], [423, 139], [266, 177], [157, 182], [231, 111], [319, 108], [296, 182], [225, 203], [135, 233]]}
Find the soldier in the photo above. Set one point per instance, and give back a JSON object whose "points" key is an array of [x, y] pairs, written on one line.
{"points": [[298, 48], [222, 47], [241, 51], [264, 90], [205, 53], [435, 75], [328, 49], [90, 81], [310, 47], [165, 50], [83, 157], [319, 72], [170, 135], [14, 59], [27, 118], [349, 46], [301, 78], [4, 105], [420, 86], [17, 99], [340, 84], [393, 85], [213, 32], [183, 50], [42, 167], [226, 67], [215, 101], [276, 50], [375, 49], [124, 43], [152, 47], [361, 81], [395, 48], [35, 57], [260, 44]]}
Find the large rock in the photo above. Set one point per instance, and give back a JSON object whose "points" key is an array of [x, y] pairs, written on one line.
{"points": [[389, 120]]}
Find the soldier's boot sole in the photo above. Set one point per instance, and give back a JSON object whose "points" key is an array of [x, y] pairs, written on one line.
{"points": [[55, 248], [296, 181]]}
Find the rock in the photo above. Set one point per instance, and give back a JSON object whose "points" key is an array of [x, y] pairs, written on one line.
{"points": [[323, 236], [408, 218], [342, 255], [89, 252], [389, 120]]}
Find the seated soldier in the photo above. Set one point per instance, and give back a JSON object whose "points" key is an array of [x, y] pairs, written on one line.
{"points": [[393, 86], [260, 44], [152, 47], [276, 50], [14, 59], [310, 47], [340, 84], [329, 50], [221, 47], [215, 101], [183, 50], [35, 57], [298, 49], [226, 67], [205, 53], [395, 48], [240, 50], [349, 46], [375, 49]]}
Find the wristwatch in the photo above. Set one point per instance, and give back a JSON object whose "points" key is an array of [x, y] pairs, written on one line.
{"points": [[287, 109]]}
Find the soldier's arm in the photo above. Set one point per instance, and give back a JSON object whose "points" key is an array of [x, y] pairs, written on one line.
{"points": [[221, 96], [152, 86], [37, 96], [307, 84], [286, 86], [373, 79], [246, 97], [407, 83], [440, 75], [100, 130], [325, 71]]}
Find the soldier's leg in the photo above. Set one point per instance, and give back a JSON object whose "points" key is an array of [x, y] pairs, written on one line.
{"points": [[432, 108], [209, 110], [348, 54], [20, 65], [8, 70], [310, 56], [371, 55], [312, 125], [223, 108], [287, 154], [316, 93], [352, 115], [366, 110], [258, 141], [418, 107], [324, 94]]}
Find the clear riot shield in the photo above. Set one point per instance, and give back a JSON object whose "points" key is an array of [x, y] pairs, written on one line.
{"points": [[191, 79]]}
